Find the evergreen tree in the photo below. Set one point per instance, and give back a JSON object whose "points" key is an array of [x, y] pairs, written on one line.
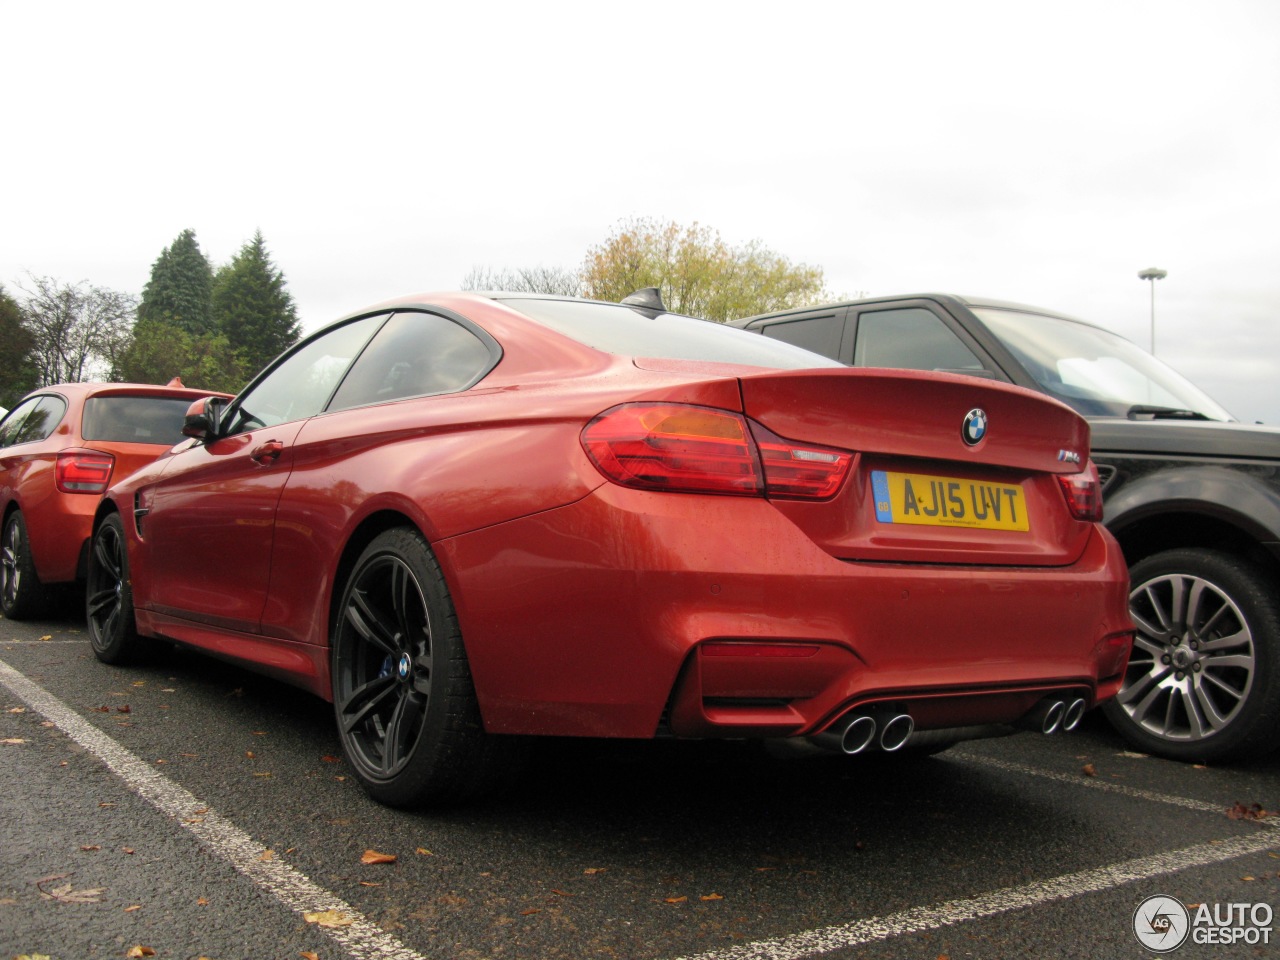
{"points": [[180, 291], [252, 308], [17, 371]]}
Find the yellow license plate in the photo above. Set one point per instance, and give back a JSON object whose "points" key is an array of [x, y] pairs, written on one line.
{"points": [[948, 501]]}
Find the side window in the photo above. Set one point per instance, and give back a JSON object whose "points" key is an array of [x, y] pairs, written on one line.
{"points": [[33, 420], [13, 423], [305, 380], [415, 355], [821, 334], [911, 338]]}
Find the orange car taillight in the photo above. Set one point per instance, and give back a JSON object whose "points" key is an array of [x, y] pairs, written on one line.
{"points": [[1083, 491], [692, 449], [83, 471]]}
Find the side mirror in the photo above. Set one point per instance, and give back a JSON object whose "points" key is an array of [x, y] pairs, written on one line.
{"points": [[202, 418]]}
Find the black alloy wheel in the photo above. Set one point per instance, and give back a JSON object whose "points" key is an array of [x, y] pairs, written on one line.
{"points": [[109, 596], [22, 595], [1203, 681], [406, 709]]}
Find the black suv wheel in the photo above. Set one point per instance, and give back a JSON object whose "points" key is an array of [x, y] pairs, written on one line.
{"points": [[1205, 670]]}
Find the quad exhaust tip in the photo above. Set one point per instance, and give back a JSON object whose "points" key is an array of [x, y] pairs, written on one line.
{"points": [[1052, 715], [858, 732]]}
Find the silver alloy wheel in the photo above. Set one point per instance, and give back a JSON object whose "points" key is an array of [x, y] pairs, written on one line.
{"points": [[1193, 660]]}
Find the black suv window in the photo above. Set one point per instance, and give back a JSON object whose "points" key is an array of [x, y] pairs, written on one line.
{"points": [[821, 334], [135, 419], [912, 338], [414, 355], [33, 420]]}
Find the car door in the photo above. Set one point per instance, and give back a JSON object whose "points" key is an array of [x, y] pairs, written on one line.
{"points": [[209, 517]]}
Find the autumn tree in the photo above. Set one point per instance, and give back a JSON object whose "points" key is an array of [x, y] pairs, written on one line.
{"points": [[180, 290], [252, 308], [78, 331], [17, 372], [553, 280], [697, 272]]}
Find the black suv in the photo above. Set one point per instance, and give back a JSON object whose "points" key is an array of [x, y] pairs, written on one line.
{"points": [[1192, 495]]}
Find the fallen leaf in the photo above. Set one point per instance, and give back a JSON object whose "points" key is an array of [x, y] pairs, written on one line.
{"points": [[267, 855], [17, 709], [139, 683], [712, 896], [259, 733], [594, 870], [329, 918], [423, 851], [136, 906], [308, 955], [561, 893], [1248, 878], [47, 636], [13, 741], [88, 848], [102, 709], [1089, 770], [1253, 812], [66, 893], [202, 901], [106, 804], [168, 690], [530, 912], [191, 755], [327, 758], [370, 883], [128, 850], [373, 856], [140, 951], [263, 774], [249, 754], [676, 899], [124, 709]]}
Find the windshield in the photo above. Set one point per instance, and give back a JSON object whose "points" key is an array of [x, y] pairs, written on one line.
{"points": [[622, 330], [1096, 372]]}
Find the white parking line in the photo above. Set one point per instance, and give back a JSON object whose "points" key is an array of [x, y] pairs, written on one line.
{"points": [[1092, 783], [362, 940], [921, 919]]}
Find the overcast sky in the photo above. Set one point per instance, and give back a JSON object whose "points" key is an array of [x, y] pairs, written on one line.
{"points": [[1030, 151]]}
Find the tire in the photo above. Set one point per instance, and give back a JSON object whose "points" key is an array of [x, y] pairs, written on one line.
{"points": [[108, 602], [1203, 682], [406, 708], [22, 595]]}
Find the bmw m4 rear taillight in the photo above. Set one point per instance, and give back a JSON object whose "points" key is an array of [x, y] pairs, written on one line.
{"points": [[1083, 491], [83, 471], [692, 449]]}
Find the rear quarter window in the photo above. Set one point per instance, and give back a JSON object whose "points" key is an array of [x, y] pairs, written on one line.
{"points": [[135, 419]]}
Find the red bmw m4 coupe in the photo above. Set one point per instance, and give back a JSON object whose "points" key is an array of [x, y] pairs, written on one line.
{"points": [[465, 517]]}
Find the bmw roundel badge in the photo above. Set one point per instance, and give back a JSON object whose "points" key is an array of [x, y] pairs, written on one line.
{"points": [[404, 667], [975, 426]]}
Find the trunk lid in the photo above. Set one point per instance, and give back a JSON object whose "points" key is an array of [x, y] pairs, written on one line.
{"points": [[918, 490]]}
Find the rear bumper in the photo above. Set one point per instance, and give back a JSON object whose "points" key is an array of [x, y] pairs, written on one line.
{"points": [[638, 586]]}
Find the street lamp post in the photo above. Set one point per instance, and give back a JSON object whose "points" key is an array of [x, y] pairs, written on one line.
{"points": [[1153, 274]]}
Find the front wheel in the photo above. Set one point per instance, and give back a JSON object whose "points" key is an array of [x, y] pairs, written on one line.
{"points": [[1203, 681], [109, 596], [406, 707], [22, 595]]}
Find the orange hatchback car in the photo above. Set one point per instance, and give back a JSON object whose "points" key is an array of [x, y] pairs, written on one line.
{"points": [[60, 448]]}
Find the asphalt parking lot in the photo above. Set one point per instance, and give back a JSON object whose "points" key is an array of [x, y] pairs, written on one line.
{"points": [[196, 810]]}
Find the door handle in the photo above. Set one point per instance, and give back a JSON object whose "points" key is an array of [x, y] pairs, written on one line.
{"points": [[267, 452]]}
